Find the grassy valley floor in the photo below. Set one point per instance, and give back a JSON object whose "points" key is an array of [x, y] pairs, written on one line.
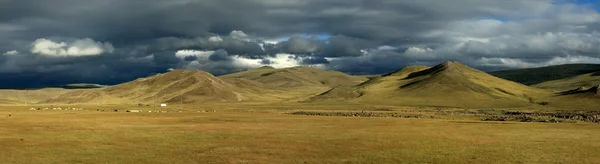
{"points": [[268, 135]]}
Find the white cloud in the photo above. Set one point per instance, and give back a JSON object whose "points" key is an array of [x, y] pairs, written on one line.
{"points": [[420, 53], [82, 47], [235, 34], [275, 40], [237, 62], [12, 52], [279, 61], [215, 39], [386, 47], [182, 54]]}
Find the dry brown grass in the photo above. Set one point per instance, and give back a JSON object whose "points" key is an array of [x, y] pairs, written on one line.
{"points": [[263, 136], [449, 84], [10, 96]]}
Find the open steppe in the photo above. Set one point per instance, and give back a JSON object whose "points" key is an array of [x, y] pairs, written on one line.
{"points": [[449, 113]]}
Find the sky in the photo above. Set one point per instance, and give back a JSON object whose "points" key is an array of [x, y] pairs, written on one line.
{"points": [[45, 43]]}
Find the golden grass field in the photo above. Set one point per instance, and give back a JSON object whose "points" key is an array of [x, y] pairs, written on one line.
{"points": [[257, 134]]}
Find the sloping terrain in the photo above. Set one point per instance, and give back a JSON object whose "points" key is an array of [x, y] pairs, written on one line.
{"points": [[296, 77], [11, 96], [587, 98], [448, 84], [591, 91], [352, 92], [296, 83], [585, 80], [179, 86], [530, 76]]}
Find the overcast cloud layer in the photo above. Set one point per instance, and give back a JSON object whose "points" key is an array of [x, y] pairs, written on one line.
{"points": [[112, 41]]}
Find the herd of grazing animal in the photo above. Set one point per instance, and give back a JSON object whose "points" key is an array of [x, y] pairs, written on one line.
{"points": [[56, 108], [102, 110]]}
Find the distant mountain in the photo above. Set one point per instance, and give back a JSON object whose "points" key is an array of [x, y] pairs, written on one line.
{"points": [[449, 84], [530, 76], [82, 86]]}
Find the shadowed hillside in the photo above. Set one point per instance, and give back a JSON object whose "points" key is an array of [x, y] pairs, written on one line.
{"points": [[447, 84], [585, 80], [579, 98], [591, 91], [530, 76]]}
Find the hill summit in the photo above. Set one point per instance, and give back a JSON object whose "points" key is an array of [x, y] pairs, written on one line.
{"points": [[447, 84], [183, 86], [295, 77]]}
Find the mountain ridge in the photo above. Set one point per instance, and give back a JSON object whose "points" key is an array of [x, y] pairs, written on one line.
{"points": [[439, 85]]}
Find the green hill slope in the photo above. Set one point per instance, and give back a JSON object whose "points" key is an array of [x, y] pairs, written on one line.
{"points": [[530, 76], [585, 80]]}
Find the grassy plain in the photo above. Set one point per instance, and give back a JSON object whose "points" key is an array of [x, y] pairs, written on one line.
{"points": [[268, 134]]}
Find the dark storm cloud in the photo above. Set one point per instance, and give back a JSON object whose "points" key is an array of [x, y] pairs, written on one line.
{"points": [[232, 45], [335, 46], [35, 71], [340, 46], [301, 45], [266, 62], [314, 60], [364, 36], [190, 58], [220, 55]]}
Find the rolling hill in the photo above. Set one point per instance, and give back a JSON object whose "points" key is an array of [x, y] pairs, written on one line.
{"points": [[591, 91], [579, 98], [264, 84], [296, 83], [530, 76], [449, 84], [29, 96], [585, 80], [178, 86], [295, 77]]}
